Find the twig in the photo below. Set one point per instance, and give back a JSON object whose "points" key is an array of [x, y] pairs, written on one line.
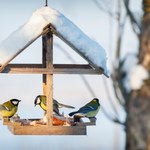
{"points": [[111, 118], [109, 98], [99, 6], [132, 18], [121, 25], [120, 100]]}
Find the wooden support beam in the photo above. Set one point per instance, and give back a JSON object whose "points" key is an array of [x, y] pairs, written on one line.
{"points": [[57, 69], [79, 70], [48, 78], [45, 130], [43, 63]]}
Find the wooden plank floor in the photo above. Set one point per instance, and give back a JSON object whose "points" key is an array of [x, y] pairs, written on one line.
{"points": [[45, 130]]}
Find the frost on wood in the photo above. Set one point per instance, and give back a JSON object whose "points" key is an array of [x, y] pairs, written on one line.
{"points": [[34, 27]]}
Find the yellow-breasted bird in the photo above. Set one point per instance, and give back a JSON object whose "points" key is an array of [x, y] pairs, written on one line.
{"points": [[89, 110], [9, 108], [41, 100]]}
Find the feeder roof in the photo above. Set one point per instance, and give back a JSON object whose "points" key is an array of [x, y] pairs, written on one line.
{"points": [[32, 29]]}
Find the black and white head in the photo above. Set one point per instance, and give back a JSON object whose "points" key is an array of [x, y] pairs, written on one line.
{"points": [[37, 100], [15, 102], [97, 100]]}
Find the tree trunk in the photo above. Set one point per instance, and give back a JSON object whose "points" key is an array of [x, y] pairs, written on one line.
{"points": [[138, 107], [138, 122]]}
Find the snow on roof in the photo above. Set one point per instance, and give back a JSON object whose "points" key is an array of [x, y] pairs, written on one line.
{"points": [[18, 40]]}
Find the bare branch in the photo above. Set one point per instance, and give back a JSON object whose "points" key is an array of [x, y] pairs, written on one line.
{"points": [[134, 23], [117, 70], [120, 32], [118, 95], [104, 8], [109, 98], [111, 118]]}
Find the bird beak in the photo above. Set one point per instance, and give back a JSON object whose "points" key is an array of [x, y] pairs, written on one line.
{"points": [[19, 100]]}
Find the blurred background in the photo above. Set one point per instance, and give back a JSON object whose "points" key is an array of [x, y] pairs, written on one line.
{"points": [[116, 26]]}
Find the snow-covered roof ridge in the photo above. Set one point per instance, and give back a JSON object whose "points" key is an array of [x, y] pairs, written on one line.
{"points": [[68, 30]]}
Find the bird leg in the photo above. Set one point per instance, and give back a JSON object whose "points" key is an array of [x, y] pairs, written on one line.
{"points": [[77, 118], [92, 119]]}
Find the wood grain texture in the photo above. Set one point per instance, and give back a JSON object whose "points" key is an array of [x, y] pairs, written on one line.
{"points": [[57, 69], [45, 130]]}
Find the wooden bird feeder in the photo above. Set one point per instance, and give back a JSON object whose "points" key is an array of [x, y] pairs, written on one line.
{"points": [[48, 69]]}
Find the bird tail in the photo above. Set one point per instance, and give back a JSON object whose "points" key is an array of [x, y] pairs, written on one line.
{"points": [[72, 113], [67, 106], [62, 105]]}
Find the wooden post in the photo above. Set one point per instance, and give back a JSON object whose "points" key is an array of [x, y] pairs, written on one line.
{"points": [[48, 78], [44, 62]]}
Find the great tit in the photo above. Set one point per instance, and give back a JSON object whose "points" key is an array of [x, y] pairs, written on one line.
{"points": [[89, 110], [9, 108], [41, 100]]}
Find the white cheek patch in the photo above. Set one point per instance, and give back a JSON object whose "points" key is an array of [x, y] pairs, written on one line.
{"points": [[38, 101], [15, 102]]}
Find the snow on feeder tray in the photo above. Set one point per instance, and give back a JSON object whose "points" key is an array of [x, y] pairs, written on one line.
{"points": [[47, 22]]}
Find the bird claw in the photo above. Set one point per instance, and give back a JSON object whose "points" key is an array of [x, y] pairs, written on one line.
{"points": [[93, 119]]}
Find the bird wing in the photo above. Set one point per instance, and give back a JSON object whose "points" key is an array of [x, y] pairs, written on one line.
{"points": [[8, 105], [86, 109], [3, 108], [56, 109], [8, 113]]}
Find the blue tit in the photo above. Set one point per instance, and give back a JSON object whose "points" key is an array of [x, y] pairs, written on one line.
{"points": [[41, 100], [89, 110], [9, 108]]}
